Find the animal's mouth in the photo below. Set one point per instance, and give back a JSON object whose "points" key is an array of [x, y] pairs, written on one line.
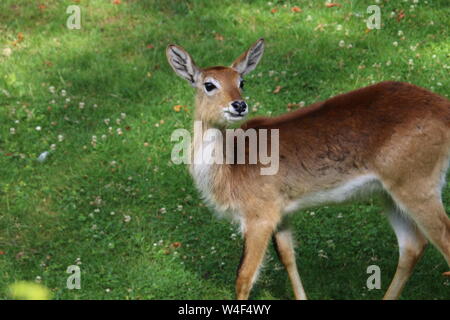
{"points": [[235, 115], [232, 116]]}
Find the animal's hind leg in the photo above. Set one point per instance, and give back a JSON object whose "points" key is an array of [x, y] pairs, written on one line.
{"points": [[425, 207], [411, 243]]}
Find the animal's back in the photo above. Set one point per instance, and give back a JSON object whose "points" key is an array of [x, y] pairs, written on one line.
{"points": [[359, 121]]}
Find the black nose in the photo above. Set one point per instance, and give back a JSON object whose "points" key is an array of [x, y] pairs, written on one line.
{"points": [[239, 106]]}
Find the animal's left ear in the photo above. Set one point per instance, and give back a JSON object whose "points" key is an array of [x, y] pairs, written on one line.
{"points": [[250, 58]]}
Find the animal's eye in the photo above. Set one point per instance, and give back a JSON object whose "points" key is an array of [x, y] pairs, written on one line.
{"points": [[209, 86], [241, 85]]}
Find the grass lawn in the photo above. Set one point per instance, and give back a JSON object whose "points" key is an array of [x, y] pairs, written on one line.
{"points": [[101, 101]]}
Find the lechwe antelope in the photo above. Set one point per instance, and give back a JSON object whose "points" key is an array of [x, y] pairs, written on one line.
{"points": [[390, 138]]}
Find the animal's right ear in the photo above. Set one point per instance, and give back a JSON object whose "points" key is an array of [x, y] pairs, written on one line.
{"points": [[182, 63]]}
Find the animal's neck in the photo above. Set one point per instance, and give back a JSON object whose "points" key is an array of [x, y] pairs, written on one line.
{"points": [[206, 134], [203, 129], [203, 167]]}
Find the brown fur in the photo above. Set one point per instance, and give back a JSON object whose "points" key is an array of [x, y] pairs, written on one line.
{"points": [[395, 131]]}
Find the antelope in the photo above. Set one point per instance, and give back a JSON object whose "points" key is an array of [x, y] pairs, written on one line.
{"points": [[390, 139]]}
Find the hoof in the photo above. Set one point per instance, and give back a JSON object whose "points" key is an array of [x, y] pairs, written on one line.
{"points": [[446, 274]]}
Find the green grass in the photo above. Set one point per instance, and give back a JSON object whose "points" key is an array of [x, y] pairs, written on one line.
{"points": [[76, 204]]}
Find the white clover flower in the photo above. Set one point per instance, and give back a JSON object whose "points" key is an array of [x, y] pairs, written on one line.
{"points": [[60, 138], [53, 147], [51, 89], [339, 27], [123, 115], [12, 130], [7, 52], [126, 219], [322, 254], [38, 128], [63, 93], [400, 33], [341, 43], [395, 43], [81, 105]]}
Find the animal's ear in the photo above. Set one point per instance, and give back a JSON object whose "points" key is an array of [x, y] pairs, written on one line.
{"points": [[248, 61], [182, 63]]}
